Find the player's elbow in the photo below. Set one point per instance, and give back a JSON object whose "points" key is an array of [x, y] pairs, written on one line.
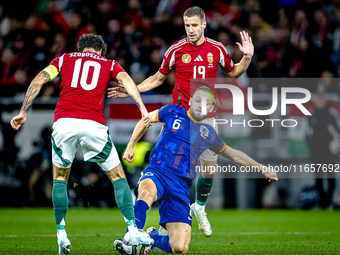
{"points": [[36, 85], [235, 73], [231, 75], [159, 78]]}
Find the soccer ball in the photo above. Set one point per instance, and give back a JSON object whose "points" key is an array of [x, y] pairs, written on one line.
{"points": [[124, 247], [139, 250]]}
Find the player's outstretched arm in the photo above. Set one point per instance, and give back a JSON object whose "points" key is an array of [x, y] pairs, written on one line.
{"points": [[247, 48], [137, 134], [33, 90], [124, 79], [150, 83], [243, 159]]}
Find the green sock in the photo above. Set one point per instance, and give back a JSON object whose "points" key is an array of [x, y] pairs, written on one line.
{"points": [[203, 188], [60, 202], [124, 200]]}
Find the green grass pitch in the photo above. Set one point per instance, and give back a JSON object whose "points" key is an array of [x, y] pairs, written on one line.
{"points": [[92, 231]]}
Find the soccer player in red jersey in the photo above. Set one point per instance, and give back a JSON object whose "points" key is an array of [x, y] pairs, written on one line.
{"points": [[79, 119], [197, 57]]}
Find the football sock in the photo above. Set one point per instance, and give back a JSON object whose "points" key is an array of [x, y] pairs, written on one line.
{"points": [[200, 207], [161, 242], [60, 202], [140, 213], [61, 233], [203, 188], [124, 201]]}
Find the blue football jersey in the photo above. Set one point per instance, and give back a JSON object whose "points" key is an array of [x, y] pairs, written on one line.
{"points": [[182, 141]]}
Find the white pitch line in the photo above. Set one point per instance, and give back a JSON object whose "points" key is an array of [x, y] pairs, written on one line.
{"points": [[271, 233], [193, 233], [54, 235]]}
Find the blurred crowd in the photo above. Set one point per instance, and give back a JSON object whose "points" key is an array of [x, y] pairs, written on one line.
{"points": [[292, 38]]}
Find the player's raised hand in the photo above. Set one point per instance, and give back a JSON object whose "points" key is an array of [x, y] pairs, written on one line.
{"points": [[270, 174], [118, 91], [246, 46], [18, 121], [128, 155]]}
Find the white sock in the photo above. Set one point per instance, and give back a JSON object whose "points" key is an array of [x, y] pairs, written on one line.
{"points": [[61, 233], [200, 208], [133, 229]]}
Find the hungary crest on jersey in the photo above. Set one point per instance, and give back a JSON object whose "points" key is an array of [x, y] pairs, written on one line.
{"points": [[210, 57]]}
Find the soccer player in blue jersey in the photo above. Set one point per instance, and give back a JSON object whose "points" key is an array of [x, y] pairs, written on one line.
{"points": [[172, 168]]}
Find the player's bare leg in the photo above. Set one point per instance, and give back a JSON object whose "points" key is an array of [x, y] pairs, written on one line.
{"points": [[60, 204], [115, 173], [204, 184], [177, 241], [147, 191], [179, 235]]}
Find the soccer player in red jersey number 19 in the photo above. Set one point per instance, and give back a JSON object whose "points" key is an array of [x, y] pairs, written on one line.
{"points": [[196, 57], [79, 119]]}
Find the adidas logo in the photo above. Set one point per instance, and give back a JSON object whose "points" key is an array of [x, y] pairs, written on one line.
{"points": [[199, 58]]}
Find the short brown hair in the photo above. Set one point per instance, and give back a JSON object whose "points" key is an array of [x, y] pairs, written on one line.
{"points": [[195, 11]]}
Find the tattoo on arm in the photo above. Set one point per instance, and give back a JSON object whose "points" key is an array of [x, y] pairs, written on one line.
{"points": [[30, 95], [42, 78], [46, 77]]}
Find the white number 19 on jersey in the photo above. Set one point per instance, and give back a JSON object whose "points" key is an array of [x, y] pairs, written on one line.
{"points": [[85, 73], [201, 71]]}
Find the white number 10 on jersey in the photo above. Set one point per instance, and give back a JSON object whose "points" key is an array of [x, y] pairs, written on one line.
{"points": [[85, 73], [201, 71]]}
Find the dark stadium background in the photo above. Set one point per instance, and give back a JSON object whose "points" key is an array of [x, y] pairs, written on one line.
{"points": [[293, 39]]}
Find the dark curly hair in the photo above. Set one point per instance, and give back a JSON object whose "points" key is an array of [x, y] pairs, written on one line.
{"points": [[92, 41]]}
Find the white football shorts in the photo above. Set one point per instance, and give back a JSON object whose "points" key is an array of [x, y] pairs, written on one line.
{"points": [[209, 155], [94, 139]]}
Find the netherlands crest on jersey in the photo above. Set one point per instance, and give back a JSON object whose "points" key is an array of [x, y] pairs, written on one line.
{"points": [[204, 131], [186, 58], [210, 57]]}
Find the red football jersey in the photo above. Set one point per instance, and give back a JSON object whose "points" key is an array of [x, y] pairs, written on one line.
{"points": [[192, 63], [84, 76]]}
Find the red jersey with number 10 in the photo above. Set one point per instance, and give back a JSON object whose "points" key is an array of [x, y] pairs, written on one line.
{"points": [[192, 63], [84, 76]]}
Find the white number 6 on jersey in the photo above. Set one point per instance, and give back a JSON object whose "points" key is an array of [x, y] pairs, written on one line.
{"points": [[177, 124]]}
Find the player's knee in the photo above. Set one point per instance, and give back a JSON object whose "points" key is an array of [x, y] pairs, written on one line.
{"points": [[208, 168], [180, 248], [144, 195], [61, 173], [210, 174], [116, 173]]}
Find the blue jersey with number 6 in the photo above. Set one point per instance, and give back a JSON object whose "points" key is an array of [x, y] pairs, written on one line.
{"points": [[182, 141]]}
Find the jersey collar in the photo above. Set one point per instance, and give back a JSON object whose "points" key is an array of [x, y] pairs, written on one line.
{"points": [[91, 52], [205, 39], [189, 115]]}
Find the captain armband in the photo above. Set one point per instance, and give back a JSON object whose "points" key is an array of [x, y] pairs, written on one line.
{"points": [[52, 71]]}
